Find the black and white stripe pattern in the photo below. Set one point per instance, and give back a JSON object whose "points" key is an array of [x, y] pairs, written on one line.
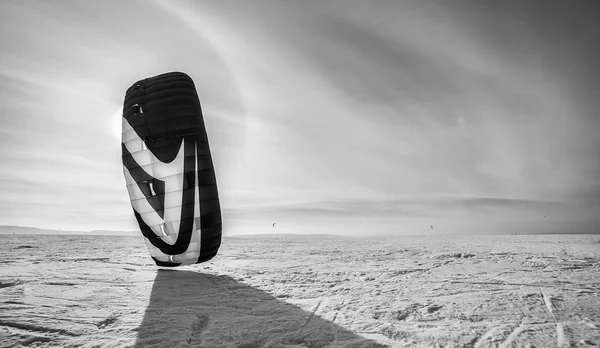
{"points": [[169, 172]]}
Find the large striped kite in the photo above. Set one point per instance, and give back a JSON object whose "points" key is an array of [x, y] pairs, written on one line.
{"points": [[169, 171]]}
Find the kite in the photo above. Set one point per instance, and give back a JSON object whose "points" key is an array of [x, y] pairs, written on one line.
{"points": [[169, 170]]}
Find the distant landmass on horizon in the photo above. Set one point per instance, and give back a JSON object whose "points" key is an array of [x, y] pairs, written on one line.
{"points": [[24, 230], [34, 230]]}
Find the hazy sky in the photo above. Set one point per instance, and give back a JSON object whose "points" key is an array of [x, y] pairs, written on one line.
{"points": [[358, 117]]}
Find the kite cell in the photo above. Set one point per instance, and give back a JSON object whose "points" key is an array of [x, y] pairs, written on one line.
{"points": [[169, 171]]}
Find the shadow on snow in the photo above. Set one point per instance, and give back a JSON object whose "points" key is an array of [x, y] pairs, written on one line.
{"points": [[190, 309]]}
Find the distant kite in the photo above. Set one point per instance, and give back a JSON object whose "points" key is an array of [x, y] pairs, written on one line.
{"points": [[274, 224], [169, 171]]}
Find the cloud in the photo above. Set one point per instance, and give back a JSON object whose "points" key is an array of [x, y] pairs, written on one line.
{"points": [[354, 107], [417, 215], [426, 207]]}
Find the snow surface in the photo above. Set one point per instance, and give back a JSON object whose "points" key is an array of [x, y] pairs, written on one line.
{"points": [[303, 291]]}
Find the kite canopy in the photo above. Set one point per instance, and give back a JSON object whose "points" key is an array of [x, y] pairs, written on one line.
{"points": [[169, 171]]}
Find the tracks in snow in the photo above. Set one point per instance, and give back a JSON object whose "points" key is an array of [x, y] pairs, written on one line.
{"points": [[199, 326]]}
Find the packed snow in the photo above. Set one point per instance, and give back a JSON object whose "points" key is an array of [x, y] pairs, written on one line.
{"points": [[291, 291]]}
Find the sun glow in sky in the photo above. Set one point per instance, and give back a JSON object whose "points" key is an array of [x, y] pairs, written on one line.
{"points": [[351, 117]]}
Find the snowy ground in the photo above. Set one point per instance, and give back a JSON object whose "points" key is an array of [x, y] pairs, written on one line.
{"points": [[303, 291]]}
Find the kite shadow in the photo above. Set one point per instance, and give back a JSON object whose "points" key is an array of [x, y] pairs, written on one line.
{"points": [[190, 309]]}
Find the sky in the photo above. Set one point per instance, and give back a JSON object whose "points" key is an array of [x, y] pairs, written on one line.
{"points": [[338, 116]]}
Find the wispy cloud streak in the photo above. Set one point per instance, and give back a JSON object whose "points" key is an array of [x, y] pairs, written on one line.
{"points": [[356, 107]]}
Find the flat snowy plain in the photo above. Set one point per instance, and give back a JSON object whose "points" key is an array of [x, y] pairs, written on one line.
{"points": [[285, 291]]}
